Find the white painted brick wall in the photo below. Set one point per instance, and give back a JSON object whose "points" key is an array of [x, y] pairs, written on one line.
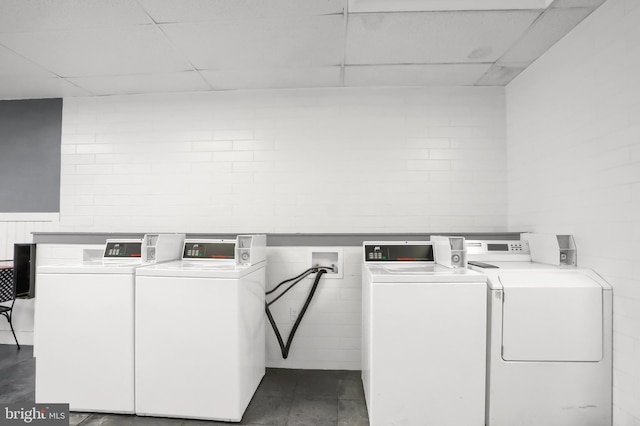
{"points": [[329, 160], [330, 332], [573, 131]]}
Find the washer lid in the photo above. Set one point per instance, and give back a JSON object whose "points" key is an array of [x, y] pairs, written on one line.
{"points": [[546, 278], [558, 274], [551, 316], [198, 269], [92, 267], [421, 273]]}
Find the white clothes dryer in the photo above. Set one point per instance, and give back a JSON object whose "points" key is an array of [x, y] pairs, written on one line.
{"points": [[550, 339], [423, 338], [200, 330], [84, 323]]}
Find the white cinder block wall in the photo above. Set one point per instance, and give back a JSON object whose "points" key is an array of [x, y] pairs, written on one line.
{"points": [[573, 122], [325, 160], [309, 161], [329, 334]]}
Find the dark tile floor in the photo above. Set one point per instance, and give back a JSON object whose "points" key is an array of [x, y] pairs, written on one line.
{"points": [[285, 397]]}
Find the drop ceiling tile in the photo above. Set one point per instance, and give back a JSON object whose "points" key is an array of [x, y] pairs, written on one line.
{"points": [[186, 81], [577, 3], [13, 64], [44, 15], [130, 50], [434, 37], [551, 27], [414, 75], [250, 78], [501, 75], [32, 87], [165, 11], [363, 6], [264, 43]]}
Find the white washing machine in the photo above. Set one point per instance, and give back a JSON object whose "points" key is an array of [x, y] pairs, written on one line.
{"points": [[424, 338], [200, 330], [84, 325], [550, 336]]}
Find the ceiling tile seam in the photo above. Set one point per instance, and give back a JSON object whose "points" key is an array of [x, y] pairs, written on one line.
{"points": [[579, 6], [175, 48], [345, 13], [332, 13], [54, 74], [250, 18], [75, 29], [432, 12], [66, 80], [127, 74], [419, 64], [486, 73]]}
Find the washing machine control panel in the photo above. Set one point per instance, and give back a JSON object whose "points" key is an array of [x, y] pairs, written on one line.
{"points": [[122, 249], [209, 250], [398, 252], [498, 250], [498, 247], [508, 247]]}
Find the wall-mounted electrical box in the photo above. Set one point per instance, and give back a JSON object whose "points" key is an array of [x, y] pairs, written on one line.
{"points": [[328, 257]]}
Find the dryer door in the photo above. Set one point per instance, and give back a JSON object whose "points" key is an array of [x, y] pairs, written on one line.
{"points": [[551, 316]]}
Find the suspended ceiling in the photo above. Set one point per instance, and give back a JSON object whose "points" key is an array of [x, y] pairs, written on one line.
{"points": [[61, 48]]}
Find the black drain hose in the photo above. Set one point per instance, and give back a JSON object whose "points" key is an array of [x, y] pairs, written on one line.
{"points": [[285, 348]]}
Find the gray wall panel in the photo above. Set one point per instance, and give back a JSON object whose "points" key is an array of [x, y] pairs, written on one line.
{"points": [[273, 240], [30, 138]]}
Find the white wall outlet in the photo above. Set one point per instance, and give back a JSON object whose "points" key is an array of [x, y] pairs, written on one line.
{"points": [[293, 314], [329, 258]]}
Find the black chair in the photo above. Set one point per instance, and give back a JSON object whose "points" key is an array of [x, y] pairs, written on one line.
{"points": [[8, 294]]}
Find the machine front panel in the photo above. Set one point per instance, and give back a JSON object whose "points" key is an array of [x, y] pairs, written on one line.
{"points": [[398, 253], [551, 320]]}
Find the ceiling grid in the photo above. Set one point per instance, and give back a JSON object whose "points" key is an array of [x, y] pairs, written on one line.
{"points": [[63, 48]]}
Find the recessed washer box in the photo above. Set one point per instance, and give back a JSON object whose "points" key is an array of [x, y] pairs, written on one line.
{"points": [[327, 257]]}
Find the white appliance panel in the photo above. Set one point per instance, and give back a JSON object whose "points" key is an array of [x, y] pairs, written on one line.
{"points": [[200, 348], [425, 363], [420, 273], [201, 269], [548, 321], [85, 341], [161, 333], [547, 393], [93, 267], [556, 365]]}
